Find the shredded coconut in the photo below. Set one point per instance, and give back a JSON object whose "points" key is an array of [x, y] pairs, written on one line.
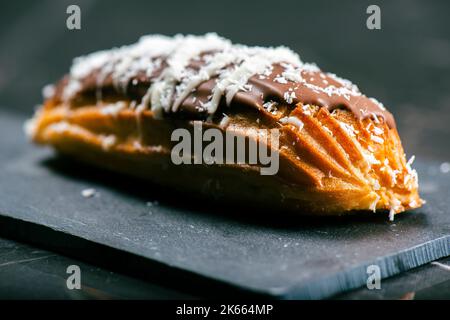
{"points": [[108, 142], [377, 139], [230, 65], [348, 128], [89, 193], [391, 214], [289, 96], [113, 109], [378, 131], [292, 120], [444, 167], [48, 91]]}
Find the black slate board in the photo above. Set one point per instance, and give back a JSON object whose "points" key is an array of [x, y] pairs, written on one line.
{"points": [[230, 247]]}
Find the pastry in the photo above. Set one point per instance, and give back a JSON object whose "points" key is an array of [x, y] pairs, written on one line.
{"points": [[337, 151]]}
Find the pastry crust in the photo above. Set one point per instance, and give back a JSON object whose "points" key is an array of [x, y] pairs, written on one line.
{"points": [[331, 162]]}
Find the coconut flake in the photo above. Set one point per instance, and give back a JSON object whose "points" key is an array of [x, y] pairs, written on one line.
{"points": [[108, 142], [391, 214], [444, 167], [292, 120], [377, 139], [89, 193], [113, 109], [289, 96], [378, 131], [348, 128]]}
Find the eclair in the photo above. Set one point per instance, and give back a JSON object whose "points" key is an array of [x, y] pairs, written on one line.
{"points": [[230, 122]]}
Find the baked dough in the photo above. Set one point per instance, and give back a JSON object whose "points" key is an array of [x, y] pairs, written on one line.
{"points": [[339, 151]]}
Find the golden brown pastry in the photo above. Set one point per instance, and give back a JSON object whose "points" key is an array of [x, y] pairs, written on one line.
{"points": [[337, 150]]}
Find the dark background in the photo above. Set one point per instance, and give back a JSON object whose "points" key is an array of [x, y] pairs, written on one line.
{"points": [[405, 65]]}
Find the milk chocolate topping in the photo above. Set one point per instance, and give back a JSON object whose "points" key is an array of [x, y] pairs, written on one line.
{"points": [[193, 71]]}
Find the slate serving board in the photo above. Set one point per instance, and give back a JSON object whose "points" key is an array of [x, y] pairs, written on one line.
{"points": [[211, 247]]}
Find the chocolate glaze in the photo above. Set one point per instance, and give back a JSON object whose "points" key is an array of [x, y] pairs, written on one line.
{"points": [[263, 89]]}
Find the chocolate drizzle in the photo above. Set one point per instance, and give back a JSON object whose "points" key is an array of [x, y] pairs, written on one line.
{"points": [[281, 82]]}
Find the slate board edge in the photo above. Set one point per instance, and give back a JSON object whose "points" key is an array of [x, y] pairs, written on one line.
{"points": [[356, 277], [17, 229], [321, 288]]}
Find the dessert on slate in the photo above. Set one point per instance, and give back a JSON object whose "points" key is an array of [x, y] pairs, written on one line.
{"points": [[338, 150]]}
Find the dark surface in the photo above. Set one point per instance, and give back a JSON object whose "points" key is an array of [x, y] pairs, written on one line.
{"points": [[406, 65], [27, 272], [31, 273], [275, 256]]}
